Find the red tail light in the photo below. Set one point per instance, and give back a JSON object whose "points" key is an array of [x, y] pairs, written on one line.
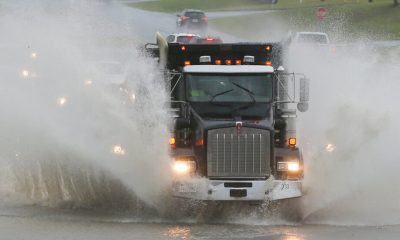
{"points": [[184, 18], [210, 39], [205, 18]]}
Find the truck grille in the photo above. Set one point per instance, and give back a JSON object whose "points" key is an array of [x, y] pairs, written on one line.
{"points": [[238, 155]]}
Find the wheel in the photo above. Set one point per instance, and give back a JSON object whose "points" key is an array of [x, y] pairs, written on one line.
{"points": [[290, 209]]}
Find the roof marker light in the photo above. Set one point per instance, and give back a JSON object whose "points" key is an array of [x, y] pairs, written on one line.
{"points": [[218, 62], [248, 59], [268, 63], [268, 48], [228, 62], [186, 63], [238, 62], [183, 48], [205, 59]]}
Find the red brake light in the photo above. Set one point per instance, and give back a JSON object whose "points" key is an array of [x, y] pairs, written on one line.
{"points": [[184, 17], [210, 39]]}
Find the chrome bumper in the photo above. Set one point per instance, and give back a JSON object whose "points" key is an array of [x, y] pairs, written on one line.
{"points": [[219, 190]]}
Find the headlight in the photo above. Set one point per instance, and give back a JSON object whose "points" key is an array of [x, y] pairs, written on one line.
{"points": [[183, 166], [292, 166]]}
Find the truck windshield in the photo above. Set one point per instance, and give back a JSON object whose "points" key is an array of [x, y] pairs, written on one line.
{"points": [[230, 95]]}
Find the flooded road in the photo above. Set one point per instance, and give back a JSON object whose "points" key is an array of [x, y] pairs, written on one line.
{"points": [[78, 165], [43, 225]]}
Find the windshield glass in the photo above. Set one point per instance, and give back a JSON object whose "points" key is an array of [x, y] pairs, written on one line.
{"points": [[242, 88], [184, 39], [194, 14], [230, 95]]}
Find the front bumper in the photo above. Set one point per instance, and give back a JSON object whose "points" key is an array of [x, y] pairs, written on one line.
{"points": [[230, 190]]}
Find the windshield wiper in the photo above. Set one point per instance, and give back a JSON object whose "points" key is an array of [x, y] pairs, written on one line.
{"points": [[251, 94], [219, 94]]}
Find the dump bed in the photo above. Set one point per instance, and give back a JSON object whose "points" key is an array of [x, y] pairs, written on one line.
{"points": [[179, 55], [174, 56]]}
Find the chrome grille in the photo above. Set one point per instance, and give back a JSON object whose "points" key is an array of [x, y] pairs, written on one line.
{"points": [[233, 154]]}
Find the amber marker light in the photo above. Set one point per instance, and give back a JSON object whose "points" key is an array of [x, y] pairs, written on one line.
{"points": [[292, 142], [200, 142], [172, 142]]}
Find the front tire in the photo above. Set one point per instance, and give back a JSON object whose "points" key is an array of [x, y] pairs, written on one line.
{"points": [[290, 209]]}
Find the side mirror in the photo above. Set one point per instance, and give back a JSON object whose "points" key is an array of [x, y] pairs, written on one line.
{"points": [[181, 123], [302, 106]]}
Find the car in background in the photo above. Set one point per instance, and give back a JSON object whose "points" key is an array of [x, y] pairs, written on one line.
{"points": [[107, 73], [192, 18], [181, 37], [314, 38], [309, 41], [206, 40]]}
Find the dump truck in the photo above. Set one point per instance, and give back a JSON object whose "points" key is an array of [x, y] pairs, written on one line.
{"points": [[234, 110]]}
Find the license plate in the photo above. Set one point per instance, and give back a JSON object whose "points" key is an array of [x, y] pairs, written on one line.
{"points": [[187, 188], [195, 20]]}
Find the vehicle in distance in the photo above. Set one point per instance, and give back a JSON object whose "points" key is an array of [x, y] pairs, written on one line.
{"points": [[306, 41], [206, 40], [192, 18], [107, 73], [181, 37], [313, 38]]}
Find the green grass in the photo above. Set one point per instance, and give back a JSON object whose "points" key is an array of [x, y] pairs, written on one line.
{"points": [[379, 20], [225, 5]]}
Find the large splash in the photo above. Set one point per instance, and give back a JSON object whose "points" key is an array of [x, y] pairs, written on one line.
{"points": [[68, 135], [349, 136]]}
